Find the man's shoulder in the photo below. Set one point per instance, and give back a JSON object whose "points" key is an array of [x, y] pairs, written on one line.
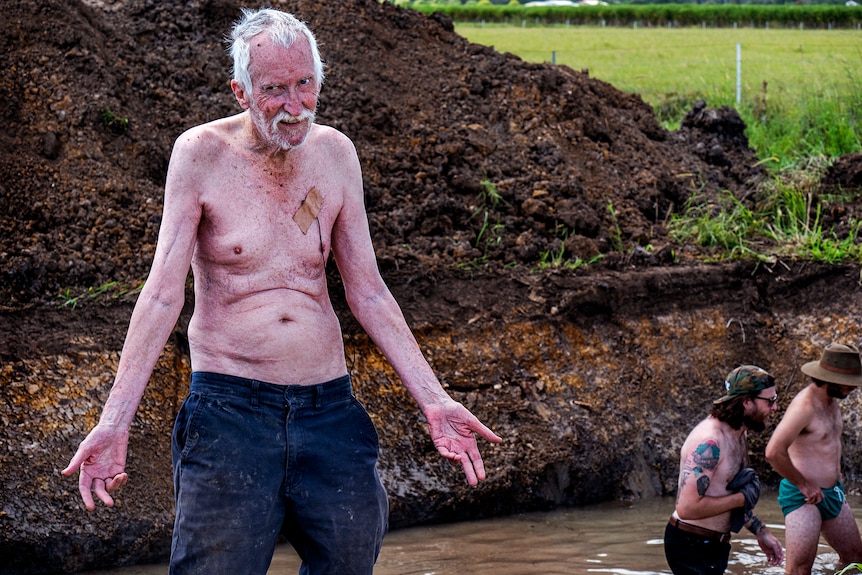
{"points": [[203, 147], [218, 126], [329, 135], [328, 142], [703, 431], [807, 398], [709, 430]]}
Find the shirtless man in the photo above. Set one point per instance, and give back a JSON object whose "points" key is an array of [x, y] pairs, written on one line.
{"points": [[270, 433], [717, 492], [806, 450]]}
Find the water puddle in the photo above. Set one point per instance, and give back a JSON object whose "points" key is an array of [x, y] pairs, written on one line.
{"points": [[616, 538]]}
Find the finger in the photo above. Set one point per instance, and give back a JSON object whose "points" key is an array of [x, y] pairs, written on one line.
{"points": [[485, 432], [447, 453], [478, 464], [116, 482], [102, 493], [467, 465], [84, 484], [74, 465]]}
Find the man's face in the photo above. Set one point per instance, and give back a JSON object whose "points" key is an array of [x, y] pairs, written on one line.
{"points": [[762, 406], [839, 391], [284, 92]]}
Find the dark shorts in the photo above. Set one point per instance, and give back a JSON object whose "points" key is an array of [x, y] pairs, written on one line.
{"points": [[790, 499], [253, 460], [690, 554]]}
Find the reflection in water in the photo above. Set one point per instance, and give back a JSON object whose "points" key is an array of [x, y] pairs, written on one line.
{"points": [[617, 538]]}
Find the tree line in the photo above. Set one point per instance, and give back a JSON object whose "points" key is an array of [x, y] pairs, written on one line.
{"points": [[655, 14]]}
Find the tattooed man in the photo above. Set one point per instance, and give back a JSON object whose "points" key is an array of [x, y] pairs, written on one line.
{"points": [[717, 492]]}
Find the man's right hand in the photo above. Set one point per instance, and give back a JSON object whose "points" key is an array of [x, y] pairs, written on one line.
{"points": [[101, 459], [747, 483], [812, 492]]}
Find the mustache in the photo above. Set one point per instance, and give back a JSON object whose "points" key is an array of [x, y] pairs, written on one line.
{"points": [[305, 115]]}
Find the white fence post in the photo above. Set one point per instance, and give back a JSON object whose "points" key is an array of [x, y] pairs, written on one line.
{"points": [[738, 74]]}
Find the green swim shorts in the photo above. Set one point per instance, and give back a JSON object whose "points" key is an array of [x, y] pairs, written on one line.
{"points": [[790, 499]]}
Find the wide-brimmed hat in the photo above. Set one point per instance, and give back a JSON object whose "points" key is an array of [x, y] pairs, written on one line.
{"points": [[745, 380], [839, 364]]}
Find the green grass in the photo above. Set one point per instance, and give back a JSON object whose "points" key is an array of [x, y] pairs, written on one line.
{"points": [[801, 98], [801, 90], [69, 299], [786, 224]]}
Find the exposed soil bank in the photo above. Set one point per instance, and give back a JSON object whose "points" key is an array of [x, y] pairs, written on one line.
{"points": [[592, 376]]}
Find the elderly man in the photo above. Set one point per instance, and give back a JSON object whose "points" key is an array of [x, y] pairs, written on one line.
{"points": [[806, 450], [270, 438], [717, 492]]}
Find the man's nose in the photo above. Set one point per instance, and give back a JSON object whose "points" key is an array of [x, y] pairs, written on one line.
{"points": [[292, 102]]}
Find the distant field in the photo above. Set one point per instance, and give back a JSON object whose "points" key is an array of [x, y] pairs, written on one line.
{"points": [[677, 65]]}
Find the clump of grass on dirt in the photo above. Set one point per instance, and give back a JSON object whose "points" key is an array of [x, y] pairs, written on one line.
{"points": [[69, 299], [490, 232], [785, 223]]}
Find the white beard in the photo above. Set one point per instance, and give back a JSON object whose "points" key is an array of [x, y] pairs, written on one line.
{"points": [[271, 134]]}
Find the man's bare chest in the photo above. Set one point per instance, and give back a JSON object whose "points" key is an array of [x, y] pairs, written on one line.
{"points": [[259, 224], [824, 430]]}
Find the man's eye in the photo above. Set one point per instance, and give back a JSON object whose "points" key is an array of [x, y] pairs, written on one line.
{"points": [[305, 81]]}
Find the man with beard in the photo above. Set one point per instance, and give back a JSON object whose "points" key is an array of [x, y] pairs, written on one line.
{"points": [[270, 439], [717, 492], [806, 450]]}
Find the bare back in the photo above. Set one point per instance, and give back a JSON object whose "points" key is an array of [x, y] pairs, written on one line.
{"points": [[262, 309]]}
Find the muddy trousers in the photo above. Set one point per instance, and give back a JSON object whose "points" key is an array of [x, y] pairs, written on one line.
{"points": [[689, 554], [254, 460]]}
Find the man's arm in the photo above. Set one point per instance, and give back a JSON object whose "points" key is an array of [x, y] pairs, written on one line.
{"points": [[101, 457], [769, 544], [698, 471], [795, 420], [451, 425]]}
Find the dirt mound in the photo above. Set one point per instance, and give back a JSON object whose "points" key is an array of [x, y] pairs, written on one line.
{"points": [[470, 157], [477, 167], [845, 175]]}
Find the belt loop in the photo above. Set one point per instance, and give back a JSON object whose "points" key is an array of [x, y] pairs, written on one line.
{"points": [[318, 392], [255, 389]]}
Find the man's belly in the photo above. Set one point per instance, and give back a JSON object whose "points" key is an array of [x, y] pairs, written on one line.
{"points": [[824, 473], [268, 345], [819, 462], [720, 523]]}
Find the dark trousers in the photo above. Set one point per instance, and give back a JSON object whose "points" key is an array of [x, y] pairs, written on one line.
{"points": [[253, 459], [690, 554]]}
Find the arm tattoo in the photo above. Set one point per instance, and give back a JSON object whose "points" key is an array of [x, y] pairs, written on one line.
{"points": [[702, 485], [700, 464], [706, 456], [756, 525]]}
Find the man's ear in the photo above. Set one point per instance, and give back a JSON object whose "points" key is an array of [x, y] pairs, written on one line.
{"points": [[240, 94]]}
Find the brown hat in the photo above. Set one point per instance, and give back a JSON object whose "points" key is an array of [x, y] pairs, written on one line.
{"points": [[839, 364], [745, 380]]}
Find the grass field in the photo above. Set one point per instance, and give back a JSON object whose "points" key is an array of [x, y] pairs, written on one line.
{"points": [[798, 87]]}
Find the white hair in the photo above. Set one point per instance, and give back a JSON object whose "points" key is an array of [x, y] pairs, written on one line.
{"points": [[283, 29]]}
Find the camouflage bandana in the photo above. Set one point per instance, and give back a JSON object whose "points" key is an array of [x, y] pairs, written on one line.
{"points": [[745, 380]]}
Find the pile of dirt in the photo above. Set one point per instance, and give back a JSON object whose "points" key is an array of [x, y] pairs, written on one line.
{"points": [[477, 167], [470, 157]]}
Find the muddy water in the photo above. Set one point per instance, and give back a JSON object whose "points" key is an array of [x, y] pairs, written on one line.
{"points": [[617, 538]]}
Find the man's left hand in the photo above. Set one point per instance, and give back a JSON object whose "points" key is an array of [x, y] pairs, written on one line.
{"points": [[452, 428], [771, 547]]}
